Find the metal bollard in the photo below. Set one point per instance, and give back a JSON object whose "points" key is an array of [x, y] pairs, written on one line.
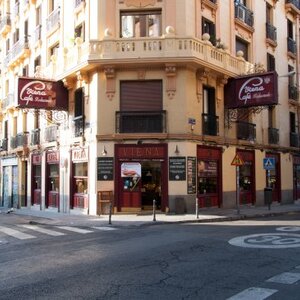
{"points": [[109, 216], [197, 208], [154, 207]]}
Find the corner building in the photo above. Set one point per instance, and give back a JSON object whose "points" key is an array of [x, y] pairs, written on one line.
{"points": [[148, 99]]}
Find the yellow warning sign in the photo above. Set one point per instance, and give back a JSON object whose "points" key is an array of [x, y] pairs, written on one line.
{"points": [[237, 161]]}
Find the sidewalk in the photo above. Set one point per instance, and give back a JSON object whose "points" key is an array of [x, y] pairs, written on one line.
{"points": [[128, 220]]}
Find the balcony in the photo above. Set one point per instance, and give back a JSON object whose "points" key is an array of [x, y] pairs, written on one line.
{"points": [[291, 46], [4, 144], [271, 33], [246, 131], [53, 20], [294, 139], [35, 137], [18, 53], [244, 14], [293, 93], [51, 134], [16, 10], [141, 122], [78, 126], [273, 134], [292, 6], [210, 124], [8, 102], [20, 140], [37, 34], [5, 25], [153, 50]]}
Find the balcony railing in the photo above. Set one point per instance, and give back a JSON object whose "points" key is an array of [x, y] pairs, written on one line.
{"points": [[53, 20], [51, 133], [293, 92], [19, 49], [37, 35], [244, 14], [294, 139], [271, 32], [210, 124], [78, 126], [4, 144], [5, 21], [292, 47], [246, 131], [35, 137], [273, 135], [141, 122], [20, 140], [8, 101]]}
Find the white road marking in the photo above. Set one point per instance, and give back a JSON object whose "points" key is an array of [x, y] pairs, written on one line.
{"points": [[267, 240], [104, 228], [16, 234], [42, 230], [253, 293], [285, 278], [289, 228], [74, 229]]}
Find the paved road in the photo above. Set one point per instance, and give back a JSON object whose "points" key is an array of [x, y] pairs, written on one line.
{"points": [[252, 259]]}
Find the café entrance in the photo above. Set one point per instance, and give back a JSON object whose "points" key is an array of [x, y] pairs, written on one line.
{"points": [[141, 177]]}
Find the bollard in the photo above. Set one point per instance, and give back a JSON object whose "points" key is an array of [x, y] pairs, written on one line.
{"points": [[109, 216], [154, 207], [197, 209]]}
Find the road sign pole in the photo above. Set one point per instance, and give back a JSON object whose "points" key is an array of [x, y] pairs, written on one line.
{"points": [[268, 178], [238, 189]]}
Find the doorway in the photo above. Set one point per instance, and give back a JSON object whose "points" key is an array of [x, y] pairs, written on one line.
{"points": [[151, 184]]}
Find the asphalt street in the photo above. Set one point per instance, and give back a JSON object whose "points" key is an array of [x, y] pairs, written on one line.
{"points": [[247, 259]]}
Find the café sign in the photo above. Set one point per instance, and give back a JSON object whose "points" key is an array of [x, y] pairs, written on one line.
{"points": [[252, 90], [42, 94], [80, 155]]}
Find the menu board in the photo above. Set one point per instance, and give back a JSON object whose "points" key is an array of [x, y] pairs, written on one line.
{"points": [[177, 168], [207, 168], [191, 175], [105, 168]]}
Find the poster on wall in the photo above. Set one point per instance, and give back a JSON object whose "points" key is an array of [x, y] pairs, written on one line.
{"points": [[105, 168], [177, 168], [131, 169], [191, 175]]}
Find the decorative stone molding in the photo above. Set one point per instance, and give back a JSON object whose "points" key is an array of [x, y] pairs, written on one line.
{"points": [[68, 83], [221, 81], [141, 74], [139, 3], [110, 82], [171, 80], [82, 77]]}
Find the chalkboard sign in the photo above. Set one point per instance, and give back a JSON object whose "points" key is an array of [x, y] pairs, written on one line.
{"points": [[177, 168], [191, 175], [105, 168]]}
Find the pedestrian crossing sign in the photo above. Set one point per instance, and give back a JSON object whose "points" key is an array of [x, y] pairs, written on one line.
{"points": [[269, 163], [237, 161]]}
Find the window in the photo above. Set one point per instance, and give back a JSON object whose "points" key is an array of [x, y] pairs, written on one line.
{"points": [[140, 24], [54, 4], [242, 45], [270, 62], [269, 14], [290, 29], [25, 71], [292, 122], [37, 62], [210, 28], [79, 104], [16, 36], [79, 32], [53, 51]]}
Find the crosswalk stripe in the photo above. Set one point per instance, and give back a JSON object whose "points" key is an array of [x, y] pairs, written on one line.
{"points": [[42, 230], [253, 293], [16, 234], [104, 228], [285, 278], [74, 229]]}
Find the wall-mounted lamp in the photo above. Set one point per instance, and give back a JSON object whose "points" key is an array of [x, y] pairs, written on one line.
{"points": [[104, 152], [176, 150]]}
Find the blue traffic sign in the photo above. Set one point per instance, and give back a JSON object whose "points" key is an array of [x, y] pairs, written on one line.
{"points": [[269, 163]]}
